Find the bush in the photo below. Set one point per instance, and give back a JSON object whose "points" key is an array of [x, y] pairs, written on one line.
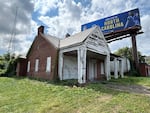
{"points": [[70, 82], [134, 73], [2, 72], [8, 63], [11, 69]]}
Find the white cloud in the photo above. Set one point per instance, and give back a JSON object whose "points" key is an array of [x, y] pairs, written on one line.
{"points": [[43, 6], [114, 46], [144, 39], [67, 21], [15, 18], [70, 16]]}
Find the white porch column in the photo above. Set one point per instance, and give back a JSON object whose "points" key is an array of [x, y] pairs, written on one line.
{"points": [[82, 65], [107, 67], [121, 68], [115, 68], [60, 69], [148, 70]]}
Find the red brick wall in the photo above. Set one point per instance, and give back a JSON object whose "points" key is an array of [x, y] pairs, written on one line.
{"points": [[41, 49], [144, 69]]}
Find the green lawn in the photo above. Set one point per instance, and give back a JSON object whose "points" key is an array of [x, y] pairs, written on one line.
{"points": [[22, 95]]}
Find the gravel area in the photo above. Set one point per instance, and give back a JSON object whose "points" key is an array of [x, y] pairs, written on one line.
{"points": [[139, 89]]}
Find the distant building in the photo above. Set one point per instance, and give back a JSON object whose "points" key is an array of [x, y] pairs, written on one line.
{"points": [[144, 69], [147, 59]]}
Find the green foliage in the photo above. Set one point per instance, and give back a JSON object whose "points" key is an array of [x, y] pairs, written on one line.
{"points": [[11, 69], [2, 65], [128, 80], [127, 52], [8, 64], [70, 82]]}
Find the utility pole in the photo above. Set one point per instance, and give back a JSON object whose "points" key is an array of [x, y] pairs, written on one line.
{"points": [[134, 51]]}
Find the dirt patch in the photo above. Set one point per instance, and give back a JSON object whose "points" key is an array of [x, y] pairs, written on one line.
{"points": [[104, 98], [139, 89]]}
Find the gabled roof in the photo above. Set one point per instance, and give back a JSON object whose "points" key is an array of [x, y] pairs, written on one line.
{"points": [[75, 39], [72, 40], [52, 39]]}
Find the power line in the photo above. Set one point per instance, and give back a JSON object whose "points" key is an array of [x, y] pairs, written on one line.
{"points": [[13, 33]]}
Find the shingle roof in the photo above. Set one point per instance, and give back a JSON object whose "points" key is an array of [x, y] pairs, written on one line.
{"points": [[75, 39], [53, 40], [72, 40]]}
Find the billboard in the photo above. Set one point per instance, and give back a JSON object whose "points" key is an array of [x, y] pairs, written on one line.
{"points": [[117, 22]]}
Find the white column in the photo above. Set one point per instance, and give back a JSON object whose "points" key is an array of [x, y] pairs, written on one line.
{"points": [[148, 70], [60, 69], [82, 65], [107, 67], [121, 68], [115, 68]]}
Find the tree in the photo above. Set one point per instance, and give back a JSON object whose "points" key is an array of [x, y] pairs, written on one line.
{"points": [[2, 65], [127, 52], [8, 63]]}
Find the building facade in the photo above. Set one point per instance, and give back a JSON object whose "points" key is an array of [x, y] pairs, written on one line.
{"points": [[84, 56]]}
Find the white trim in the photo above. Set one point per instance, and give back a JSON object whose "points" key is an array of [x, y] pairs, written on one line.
{"points": [[107, 67], [70, 49], [60, 69], [82, 64], [96, 51], [28, 66], [48, 64], [115, 68], [121, 68], [36, 65]]}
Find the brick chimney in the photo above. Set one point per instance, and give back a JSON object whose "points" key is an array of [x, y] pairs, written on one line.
{"points": [[40, 30]]}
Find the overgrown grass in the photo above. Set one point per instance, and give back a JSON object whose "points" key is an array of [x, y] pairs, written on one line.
{"points": [[19, 95], [133, 80]]}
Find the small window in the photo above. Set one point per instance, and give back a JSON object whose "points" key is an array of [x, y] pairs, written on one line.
{"points": [[36, 65], [28, 66], [48, 64]]}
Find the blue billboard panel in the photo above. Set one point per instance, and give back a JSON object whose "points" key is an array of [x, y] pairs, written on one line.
{"points": [[117, 22]]}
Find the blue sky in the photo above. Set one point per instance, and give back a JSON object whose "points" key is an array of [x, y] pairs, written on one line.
{"points": [[65, 16]]}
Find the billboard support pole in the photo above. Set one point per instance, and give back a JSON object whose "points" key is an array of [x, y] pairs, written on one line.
{"points": [[134, 51]]}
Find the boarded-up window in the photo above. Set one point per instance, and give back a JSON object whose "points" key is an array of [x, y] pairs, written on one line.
{"points": [[28, 67], [48, 64], [36, 65], [102, 67]]}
